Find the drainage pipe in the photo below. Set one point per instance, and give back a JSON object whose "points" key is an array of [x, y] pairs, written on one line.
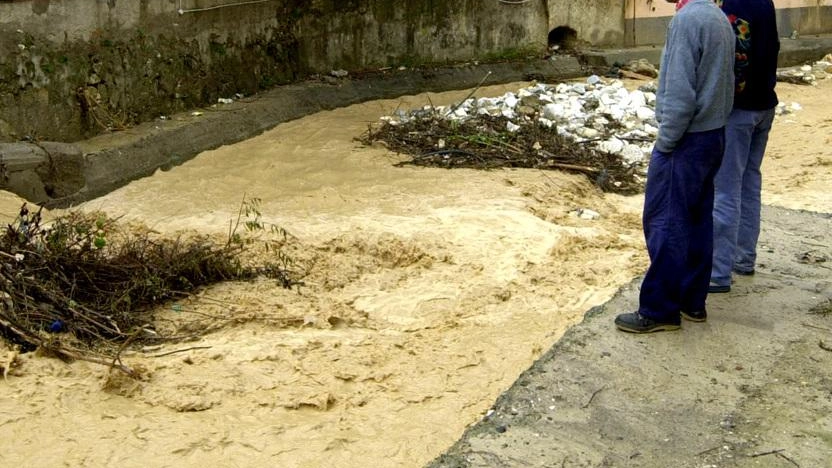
{"points": [[217, 7]]}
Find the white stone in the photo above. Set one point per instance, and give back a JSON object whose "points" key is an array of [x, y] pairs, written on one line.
{"points": [[613, 145], [638, 99], [632, 153], [512, 127], [460, 113], [617, 113], [645, 113], [588, 133], [608, 100], [586, 213], [553, 111]]}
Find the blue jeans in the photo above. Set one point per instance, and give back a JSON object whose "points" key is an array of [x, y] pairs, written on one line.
{"points": [[678, 225], [737, 197]]}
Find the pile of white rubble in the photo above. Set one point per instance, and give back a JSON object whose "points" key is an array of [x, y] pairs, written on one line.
{"points": [[602, 113], [807, 74], [598, 112]]}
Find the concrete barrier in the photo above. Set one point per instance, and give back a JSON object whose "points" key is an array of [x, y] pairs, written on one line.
{"points": [[40, 172]]}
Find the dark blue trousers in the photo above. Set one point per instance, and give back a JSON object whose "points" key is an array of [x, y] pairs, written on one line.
{"points": [[678, 225]]}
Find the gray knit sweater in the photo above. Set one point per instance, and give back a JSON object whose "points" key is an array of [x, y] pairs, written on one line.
{"points": [[696, 78]]}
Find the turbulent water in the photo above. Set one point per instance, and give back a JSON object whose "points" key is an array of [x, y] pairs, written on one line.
{"points": [[430, 291]]}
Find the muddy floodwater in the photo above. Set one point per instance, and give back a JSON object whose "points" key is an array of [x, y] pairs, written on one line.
{"points": [[430, 291]]}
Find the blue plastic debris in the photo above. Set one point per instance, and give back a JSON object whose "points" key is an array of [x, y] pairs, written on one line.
{"points": [[57, 326]]}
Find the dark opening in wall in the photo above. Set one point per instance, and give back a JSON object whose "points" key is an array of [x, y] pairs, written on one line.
{"points": [[562, 38]]}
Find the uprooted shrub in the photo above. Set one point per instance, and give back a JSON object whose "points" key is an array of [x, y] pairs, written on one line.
{"points": [[83, 285]]}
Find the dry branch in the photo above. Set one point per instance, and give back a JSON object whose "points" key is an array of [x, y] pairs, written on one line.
{"points": [[83, 287], [485, 143]]}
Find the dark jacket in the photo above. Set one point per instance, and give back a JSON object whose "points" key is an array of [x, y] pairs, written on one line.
{"points": [[755, 67]]}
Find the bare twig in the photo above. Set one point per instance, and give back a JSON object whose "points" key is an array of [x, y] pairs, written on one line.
{"points": [[788, 459], [816, 327], [473, 91], [594, 394], [708, 450], [763, 454], [181, 350]]}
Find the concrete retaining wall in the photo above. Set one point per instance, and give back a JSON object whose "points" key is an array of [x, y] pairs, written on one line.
{"points": [[41, 172], [71, 69]]}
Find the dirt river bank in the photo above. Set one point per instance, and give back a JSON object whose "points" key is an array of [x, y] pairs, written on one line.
{"points": [[431, 292]]}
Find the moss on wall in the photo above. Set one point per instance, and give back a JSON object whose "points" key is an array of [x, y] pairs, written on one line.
{"points": [[118, 77], [110, 66]]}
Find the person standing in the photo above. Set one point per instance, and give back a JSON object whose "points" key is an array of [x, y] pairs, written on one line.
{"points": [[737, 200], [696, 87]]}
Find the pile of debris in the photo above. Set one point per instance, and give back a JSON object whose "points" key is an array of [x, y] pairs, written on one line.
{"points": [[807, 74], [83, 286], [598, 128]]}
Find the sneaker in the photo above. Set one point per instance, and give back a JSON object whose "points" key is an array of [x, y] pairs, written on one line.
{"points": [[718, 288], [744, 272], [634, 322], [695, 315]]}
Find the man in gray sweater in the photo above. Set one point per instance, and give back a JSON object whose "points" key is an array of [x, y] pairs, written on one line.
{"points": [[696, 86]]}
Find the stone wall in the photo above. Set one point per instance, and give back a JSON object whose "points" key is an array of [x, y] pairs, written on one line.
{"points": [[74, 68], [70, 69]]}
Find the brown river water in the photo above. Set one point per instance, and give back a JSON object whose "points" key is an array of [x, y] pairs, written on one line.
{"points": [[431, 291]]}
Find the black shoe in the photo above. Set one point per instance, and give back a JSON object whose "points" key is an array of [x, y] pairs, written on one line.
{"points": [[695, 315], [637, 323], [716, 288], [744, 272]]}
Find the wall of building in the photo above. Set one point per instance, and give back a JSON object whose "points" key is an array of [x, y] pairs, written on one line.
{"points": [[645, 21], [596, 22]]}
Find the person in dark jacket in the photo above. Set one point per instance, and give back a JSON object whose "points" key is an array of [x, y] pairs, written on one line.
{"points": [[738, 182], [696, 91]]}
